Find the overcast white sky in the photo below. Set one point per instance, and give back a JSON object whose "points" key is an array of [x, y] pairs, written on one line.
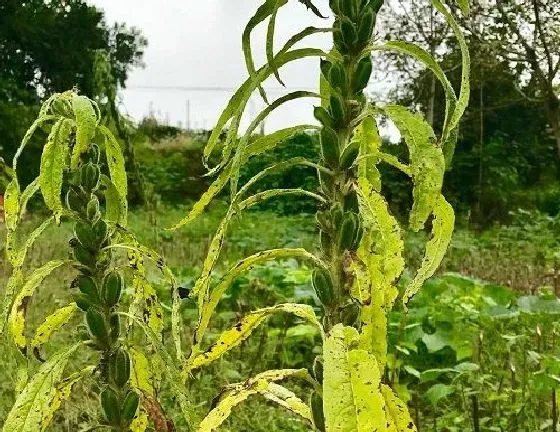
{"points": [[193, 43]]}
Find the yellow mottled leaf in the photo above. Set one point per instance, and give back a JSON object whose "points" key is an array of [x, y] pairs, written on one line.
{"points": [[51, 324], [86, 124]]}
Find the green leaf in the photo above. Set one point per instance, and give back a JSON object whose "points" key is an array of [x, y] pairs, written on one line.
{"points": [[270, 38], [464, 95], [52, 324], [116, 164], [34, 403], [254, 148], [86, 125], [438, 392], [53, 162], [231, 338], [62, 394], [237, 103], [352, 397], [240, 154], [246, 264], [442, 231], [238, 393], [426, 162], [19, 307], [465, 6], [397, 411], [430, 62], [269, 8]]}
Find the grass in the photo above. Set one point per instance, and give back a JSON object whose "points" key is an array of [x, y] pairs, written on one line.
{"points": [[281, 342]]}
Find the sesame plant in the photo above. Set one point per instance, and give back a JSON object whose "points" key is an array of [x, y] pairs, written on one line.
{"points": [[361, 243], [83, 182]]}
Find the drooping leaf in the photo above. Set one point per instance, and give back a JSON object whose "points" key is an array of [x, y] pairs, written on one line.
{"points": [[30, 190], [241, 267], [270, 38], [19, 307], [442, 230], [426, 162], [352, 399], [367, 135], [237, 103], [53, 161], [116, 164], [11, 204], [172, 373], [397, 410], [115, 207], [29, 134], [34, 403], [145, 374], [52, 324], [14, 282], [63, 391], [267, 9], [288, 399], [238, 393], [241, 155], [430, 62], [231, 338], [254, 148], [86, 124]]}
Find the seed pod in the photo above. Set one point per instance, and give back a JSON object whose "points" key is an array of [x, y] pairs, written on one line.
{"points": [[351, 202], [84, 233], [112, 288], [317, 410], [366, 25], [87, 286], [336, 215], [110, 405], [376, 5], [83, 302], [130, 405], [337, 77], [323, 285], [92, 211], [325, 241], [329, 147], [84, 256], [362, 74], [97, 325], [349, 32], [115, 324], [90, 177], [325, 68], [324, 117], [318, 369], [76, 200], [101, 231], [326, 181], [93, 154], [335, 6], [338, 40], [349, 155], [323, 220], [359, 235], [347, 232], [337, 108], [120, 367], [350, 314], [348, 8]]}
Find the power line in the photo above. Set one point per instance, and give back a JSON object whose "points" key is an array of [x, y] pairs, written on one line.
{"points": [[213, 88]]}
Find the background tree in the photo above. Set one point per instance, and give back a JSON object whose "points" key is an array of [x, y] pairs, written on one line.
{"points": [[51, 46]]}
